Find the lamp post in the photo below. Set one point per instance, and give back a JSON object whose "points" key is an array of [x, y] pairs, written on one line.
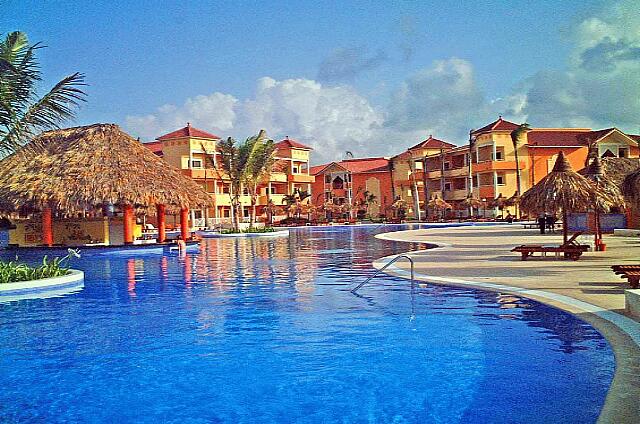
{"points": [[484, 208]]}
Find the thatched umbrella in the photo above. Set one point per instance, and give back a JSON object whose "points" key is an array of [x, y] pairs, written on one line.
{"points": [[471, 203], [85, 167], [561, 190], [631, 187], [499, 202], [610, 194]]}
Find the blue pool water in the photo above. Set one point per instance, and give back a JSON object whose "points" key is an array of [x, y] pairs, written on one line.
{"points": [[266, 331]]}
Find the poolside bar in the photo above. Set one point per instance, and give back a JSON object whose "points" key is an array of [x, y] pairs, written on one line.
{"points": [[93, 185]]}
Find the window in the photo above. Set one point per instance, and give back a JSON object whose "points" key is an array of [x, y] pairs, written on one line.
{"points": [[623, 152], [295, 170], [338, 183], [447, 166], [225, 188], [499, 155], [245, 212], [447, 186], [226, 213], [327, 179], [196, 163], [500, 179], [197, 214], [273, 190]]}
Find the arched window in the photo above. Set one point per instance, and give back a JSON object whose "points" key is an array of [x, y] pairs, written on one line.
{"points": [[338, 183]]}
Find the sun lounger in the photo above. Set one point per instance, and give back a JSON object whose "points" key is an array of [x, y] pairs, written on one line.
{"points": [[630, 272], [569, 250]]}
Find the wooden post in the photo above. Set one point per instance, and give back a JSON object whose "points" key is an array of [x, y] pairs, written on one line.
{"points": [[47, 226], [162, 227], [184, 223], [127, 216]]}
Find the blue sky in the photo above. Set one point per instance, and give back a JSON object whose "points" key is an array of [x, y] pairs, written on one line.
{"points": [[375, 76]]}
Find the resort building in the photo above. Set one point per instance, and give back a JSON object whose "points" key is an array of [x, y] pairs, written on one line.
{"points": [[194, 153], [409, 178], [486, 169], [363, 186]]}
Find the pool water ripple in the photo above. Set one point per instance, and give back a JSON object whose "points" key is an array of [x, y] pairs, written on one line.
{"points": [[256, 330]]}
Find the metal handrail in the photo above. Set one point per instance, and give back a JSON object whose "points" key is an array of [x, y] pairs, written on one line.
{"points": [[392, 261]]}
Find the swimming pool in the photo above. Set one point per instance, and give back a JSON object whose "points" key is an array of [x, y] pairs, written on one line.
{"points": [[266, 330]]}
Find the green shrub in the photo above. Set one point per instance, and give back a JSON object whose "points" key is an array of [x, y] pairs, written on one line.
{"points": [[249, 230], [14, 271]]}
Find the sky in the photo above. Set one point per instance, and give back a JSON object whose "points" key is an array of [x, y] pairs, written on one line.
{"points": [[372, 78]]}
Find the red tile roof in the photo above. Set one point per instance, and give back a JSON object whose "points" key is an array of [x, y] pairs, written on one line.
{"points": [[570, 137], [356, 166], [288, 143], [154, 146], [188, 131], [432, 143], [499, 125], [547, 137]]}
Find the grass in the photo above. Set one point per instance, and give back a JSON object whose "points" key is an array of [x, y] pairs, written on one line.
{"points": [[14, 271]]}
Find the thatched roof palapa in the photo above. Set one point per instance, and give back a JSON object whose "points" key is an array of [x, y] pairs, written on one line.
{"points": [[608, 190], [84, 167], [561, 190], [631, 187]]}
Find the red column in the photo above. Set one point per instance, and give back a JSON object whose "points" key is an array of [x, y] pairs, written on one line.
{"points": [[184, 223], [127, 212], [47, 226], [162, 232]]}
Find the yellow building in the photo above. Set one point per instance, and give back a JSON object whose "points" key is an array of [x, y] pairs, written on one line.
{"points": [[408, 173], [194, 153]]}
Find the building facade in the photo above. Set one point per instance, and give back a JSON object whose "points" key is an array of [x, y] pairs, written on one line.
{"points": [[194, 152], [363, 185], [486, 168]]}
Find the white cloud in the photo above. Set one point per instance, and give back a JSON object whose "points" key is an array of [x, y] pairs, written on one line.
{"points": [[600, 87], [329, 119]]}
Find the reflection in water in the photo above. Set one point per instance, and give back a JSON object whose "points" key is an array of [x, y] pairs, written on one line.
{"points": [[266, 330]]}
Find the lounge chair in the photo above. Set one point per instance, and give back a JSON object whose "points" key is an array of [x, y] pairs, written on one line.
{"points": [[630, 272], [570, 250]]}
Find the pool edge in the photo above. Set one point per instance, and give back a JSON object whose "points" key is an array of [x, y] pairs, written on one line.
{"points": [[621, 332]]}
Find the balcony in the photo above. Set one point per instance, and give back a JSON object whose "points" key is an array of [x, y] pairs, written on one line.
{"points": [[498, 165], [456, 194], [457, 172], [224, 200], [301, 178], [201, 174], [278, 177], [277, 199]]}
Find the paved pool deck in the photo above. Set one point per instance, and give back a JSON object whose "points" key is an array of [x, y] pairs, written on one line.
{"points": [[480, 257]]}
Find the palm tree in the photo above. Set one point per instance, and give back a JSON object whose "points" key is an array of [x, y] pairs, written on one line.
{"points": [[22, 112], [515, 139], [259, 164], [233, 161]]}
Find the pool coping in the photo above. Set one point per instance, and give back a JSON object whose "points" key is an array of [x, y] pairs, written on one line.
{"points": [[622, 333]]}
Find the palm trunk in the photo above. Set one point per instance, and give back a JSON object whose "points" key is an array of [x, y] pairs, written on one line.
{"points": [[518, 176]]}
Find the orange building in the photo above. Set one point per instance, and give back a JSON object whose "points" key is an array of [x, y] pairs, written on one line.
{"points": [[349, 181], [486, 168]]}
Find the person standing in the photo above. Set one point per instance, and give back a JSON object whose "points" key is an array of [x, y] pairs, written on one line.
{"points": [[542, 222]]}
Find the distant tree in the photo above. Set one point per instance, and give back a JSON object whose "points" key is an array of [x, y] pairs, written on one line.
{"points": [[516, 137], [22, 112]]}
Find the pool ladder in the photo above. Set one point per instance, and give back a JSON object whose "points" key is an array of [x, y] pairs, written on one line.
{"points": [[391, 262]]}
